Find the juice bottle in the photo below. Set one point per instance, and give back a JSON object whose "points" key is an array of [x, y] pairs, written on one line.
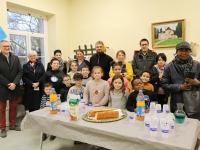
{"points": [[140, 106], [53, 100], [73, 109]]}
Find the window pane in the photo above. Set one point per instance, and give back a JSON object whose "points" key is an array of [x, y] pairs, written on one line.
{"points": [[25, 23], [37, 44], [42, 60], [23, 60], [18, 45]]}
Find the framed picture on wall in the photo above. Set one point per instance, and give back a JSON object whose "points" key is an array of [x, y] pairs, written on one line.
{"points": [[168, 33]]}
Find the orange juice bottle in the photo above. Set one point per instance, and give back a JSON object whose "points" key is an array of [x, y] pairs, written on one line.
{"points": [[140, 106], [53, 100]]}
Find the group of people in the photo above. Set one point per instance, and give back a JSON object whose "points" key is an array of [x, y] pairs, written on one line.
{"points": [[100, 81]]}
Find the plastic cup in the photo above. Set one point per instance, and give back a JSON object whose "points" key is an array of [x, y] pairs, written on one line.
{"points": [[131, 116], [165, 108], [62, 110], [165, 130], [171, 125], [153, 129], [59, 109], [162, 122], [152, 108], [147, 122]]}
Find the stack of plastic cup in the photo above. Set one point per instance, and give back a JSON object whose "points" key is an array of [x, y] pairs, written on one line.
{"points": [[158, 110], [152, 108], [165, 109], [165, 130]]}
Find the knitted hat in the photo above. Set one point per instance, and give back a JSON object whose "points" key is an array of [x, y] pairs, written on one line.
{"points": [[185, 45]]}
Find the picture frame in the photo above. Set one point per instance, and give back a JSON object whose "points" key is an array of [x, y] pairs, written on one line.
{"points": [[168, 33]]}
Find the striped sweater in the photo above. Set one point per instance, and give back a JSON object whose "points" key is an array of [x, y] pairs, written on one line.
{"points": [[44, 99]]}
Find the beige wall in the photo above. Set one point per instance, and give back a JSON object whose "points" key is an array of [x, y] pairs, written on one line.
{"points": [[119, 23], [57, 16], [122, 23]]}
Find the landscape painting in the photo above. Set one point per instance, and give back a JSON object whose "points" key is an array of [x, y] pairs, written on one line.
{"points": [[168, 34]]}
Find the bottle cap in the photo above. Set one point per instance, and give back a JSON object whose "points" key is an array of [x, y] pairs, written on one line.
{"points": [[53, 88], [140, 91]]}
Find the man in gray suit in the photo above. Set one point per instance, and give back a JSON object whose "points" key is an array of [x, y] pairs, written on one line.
{"points": [[10, 75]]}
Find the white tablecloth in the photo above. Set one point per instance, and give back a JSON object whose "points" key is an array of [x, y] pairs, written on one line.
{"points": [[119, 135]]}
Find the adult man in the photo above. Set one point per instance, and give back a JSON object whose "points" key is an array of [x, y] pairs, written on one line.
{"points": [[10, 75], [145, 59], [101, 59]]}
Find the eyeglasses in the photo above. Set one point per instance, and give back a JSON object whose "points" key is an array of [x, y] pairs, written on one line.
{"points": [[6, 46], [144, 44], [139, 83]]}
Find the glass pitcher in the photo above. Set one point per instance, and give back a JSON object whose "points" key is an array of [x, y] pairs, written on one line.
{"points": [[179, 113]]}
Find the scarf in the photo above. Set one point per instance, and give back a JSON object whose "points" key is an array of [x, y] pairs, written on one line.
{"points": [[184, 65]]}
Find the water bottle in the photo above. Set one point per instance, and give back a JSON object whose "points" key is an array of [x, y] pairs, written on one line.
{"points": [[53, 100], [140, 106]]}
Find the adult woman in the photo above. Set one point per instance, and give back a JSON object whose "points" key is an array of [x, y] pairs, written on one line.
{"points": [[80, 59], [175, 75], [127, 70], [54, 75], [33, 72], [62, 66]]}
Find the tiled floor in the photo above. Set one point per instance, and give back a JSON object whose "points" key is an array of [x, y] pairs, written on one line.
{"points": [[30, 140]]}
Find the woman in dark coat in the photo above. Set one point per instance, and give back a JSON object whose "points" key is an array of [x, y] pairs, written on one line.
{"points": [[62, 66], [33, 73], [175, 78]]}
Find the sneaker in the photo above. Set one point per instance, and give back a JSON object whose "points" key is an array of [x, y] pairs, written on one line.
{"points": [[3, 133], [15, 127], [52, 138], [44, 136]]}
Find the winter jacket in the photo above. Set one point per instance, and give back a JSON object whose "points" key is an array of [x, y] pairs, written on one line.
{"points": [[10, 73], [103, 61], [32, 97], [172, 80], [139, 64]]}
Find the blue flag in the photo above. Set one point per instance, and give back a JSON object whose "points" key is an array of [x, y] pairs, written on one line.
{"points": [[2, 34]]}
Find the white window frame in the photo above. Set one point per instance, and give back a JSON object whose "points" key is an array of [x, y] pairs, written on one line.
{"points": [[31, 34]]}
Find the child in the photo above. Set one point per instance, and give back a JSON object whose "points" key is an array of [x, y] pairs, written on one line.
{"points": [[73, 67], [54, 76], [118, 94], [116, 67], [85, 72], [64, 91], [78, 89], [145, 77], [97, 90], [45, 98], [139, 85], [158, 71]]}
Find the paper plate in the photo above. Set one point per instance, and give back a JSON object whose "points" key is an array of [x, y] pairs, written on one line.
{"points": [[91, 119]]}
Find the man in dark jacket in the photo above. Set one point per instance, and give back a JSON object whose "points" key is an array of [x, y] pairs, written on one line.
{"points": [[10, 75], [101, 59], [145, 59]]}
